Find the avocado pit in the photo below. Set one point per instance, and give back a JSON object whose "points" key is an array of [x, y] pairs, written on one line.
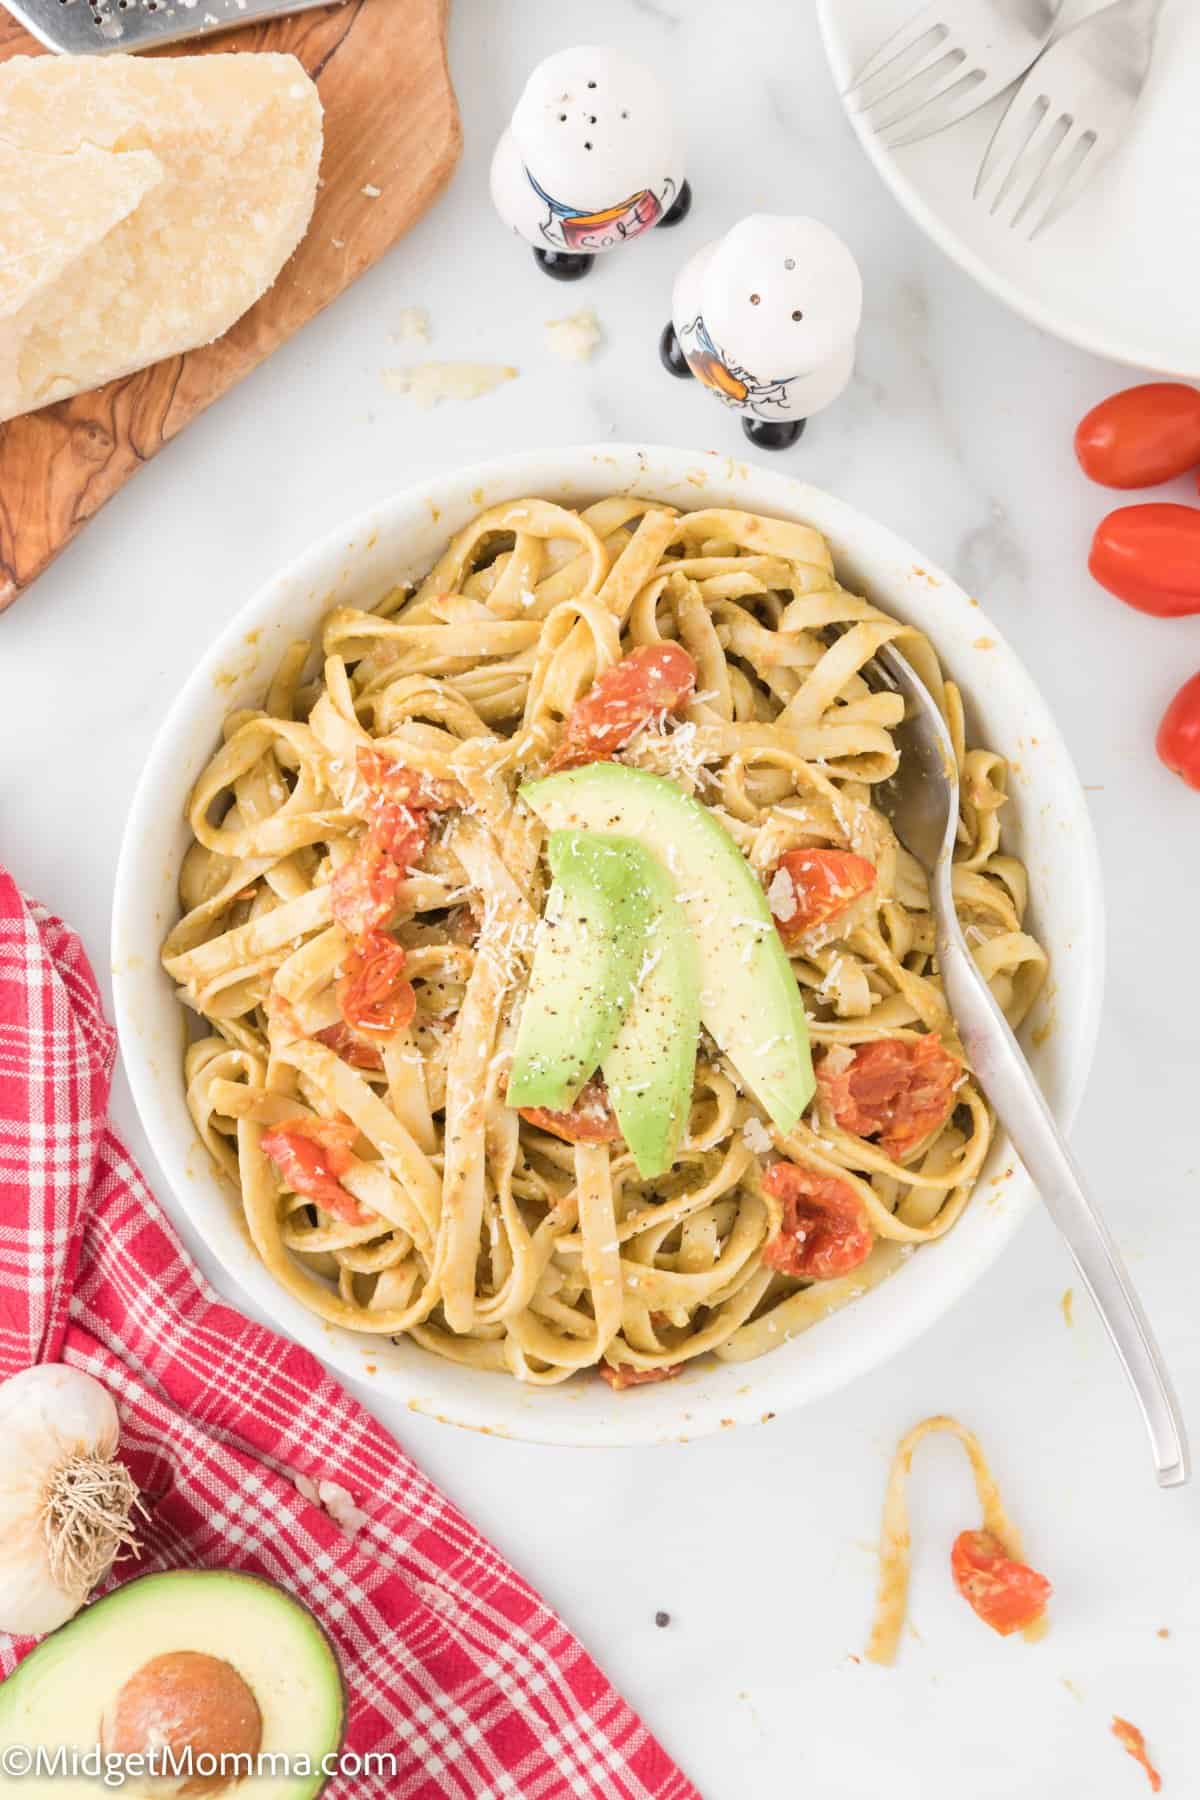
{"points": [[185, 1700]]}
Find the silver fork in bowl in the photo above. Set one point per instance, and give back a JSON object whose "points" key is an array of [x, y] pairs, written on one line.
{"points": [[1069, 114], [922, 803], [947, 61]]}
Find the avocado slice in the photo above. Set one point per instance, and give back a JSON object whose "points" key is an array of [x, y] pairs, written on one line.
{"points": [[586, 958], [65, 1691], [650, 1070], [749, 999]]}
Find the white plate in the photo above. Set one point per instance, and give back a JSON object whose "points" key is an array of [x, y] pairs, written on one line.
{"points": [[1118, 274], [1047, 824]]}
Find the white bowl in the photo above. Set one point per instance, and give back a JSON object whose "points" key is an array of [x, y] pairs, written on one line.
{"points": [[1047, 824], [1116, 274]]}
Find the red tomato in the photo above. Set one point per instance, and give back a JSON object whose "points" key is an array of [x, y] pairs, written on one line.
{"points": [[350, 1047], [590, 1121], [1178, 741], [310, 1154], [1131, 1739], [824, 1231], [396, 807], [399, 785], [372, 993], [648, 683], [823, 884], [365, 888], [1149, 556], [623, 1375], [1141, 436], [1007, 1595], [896, 1089]]}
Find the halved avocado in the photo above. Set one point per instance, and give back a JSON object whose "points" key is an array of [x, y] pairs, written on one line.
{"points": [[586, 958], [651, 1069], [68, 1691], [749, 999]]}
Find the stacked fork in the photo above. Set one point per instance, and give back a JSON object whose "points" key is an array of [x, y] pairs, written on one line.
{"points": [[1063, 122]]}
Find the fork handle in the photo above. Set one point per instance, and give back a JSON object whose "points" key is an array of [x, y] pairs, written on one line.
{"points": [[1009, 1084]]}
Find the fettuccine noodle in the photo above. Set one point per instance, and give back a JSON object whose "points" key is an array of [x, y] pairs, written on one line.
{"points": [[485, 1238]]}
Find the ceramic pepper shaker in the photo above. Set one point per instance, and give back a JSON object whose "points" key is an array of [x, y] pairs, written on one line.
{"points": [[591, 159], [766, 317]]}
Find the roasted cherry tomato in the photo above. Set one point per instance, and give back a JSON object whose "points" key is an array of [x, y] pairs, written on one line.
{"points": [[896, 1089], [373, 994], [650, 682], [396, 802], [1131, 1739], [1178, 741], [350, 1047], [1007, 1595], [310, 1154], [365, 888], [1141, 436], [590, 1121], [623, 1375], [824, 1232], [816, 886], [1149, 556]]}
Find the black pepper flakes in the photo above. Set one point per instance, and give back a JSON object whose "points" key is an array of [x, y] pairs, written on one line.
{"points": [[662, 1620]]}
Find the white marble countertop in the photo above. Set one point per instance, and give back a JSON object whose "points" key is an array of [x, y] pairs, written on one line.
{"points": [[957, 432]]}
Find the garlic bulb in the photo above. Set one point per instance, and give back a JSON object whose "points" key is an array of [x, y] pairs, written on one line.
{"points": [[65, 1503]]}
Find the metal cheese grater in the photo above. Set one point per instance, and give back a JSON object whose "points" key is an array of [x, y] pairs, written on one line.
{"points": [[95, 27]]}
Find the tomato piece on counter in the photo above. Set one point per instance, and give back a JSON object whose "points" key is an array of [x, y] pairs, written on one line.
{"points": [[350, 1047], [1178, 741], [620, 1376], [896, 1089], [590, 1121], [373, 994], [1142, 436], [817, 885], [824, 1232], [1007, 1595], [1132, 1740], [650, 682], [1149, 556], [310, 1154]]}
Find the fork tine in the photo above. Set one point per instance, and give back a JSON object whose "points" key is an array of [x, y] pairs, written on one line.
{"points": [[1020, 135], [953, 103], [904, 39], [1037, 165], [934, 78], [1012, 135], [1075, 162]]}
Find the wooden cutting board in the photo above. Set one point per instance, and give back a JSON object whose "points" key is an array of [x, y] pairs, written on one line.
{"points": [[391, 123]]}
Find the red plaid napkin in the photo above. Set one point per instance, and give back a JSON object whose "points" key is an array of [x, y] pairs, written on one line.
{"points": [[452, 1662]]}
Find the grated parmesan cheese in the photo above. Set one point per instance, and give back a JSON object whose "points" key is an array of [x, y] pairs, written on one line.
{"points": [[412, 325], [429, 383], [781, 895], [756, 1136], [575, 338]]}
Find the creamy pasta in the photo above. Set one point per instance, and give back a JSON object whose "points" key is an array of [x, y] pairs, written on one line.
{"points": [[362, 897]]}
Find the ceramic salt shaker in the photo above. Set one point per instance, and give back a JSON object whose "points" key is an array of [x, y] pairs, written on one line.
{"points": [[766, 317], [590, 160]]}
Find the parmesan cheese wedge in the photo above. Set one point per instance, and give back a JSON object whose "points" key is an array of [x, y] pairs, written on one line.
{"points": [[145, 204]]}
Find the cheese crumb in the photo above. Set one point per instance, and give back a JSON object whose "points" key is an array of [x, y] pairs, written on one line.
{"points": [[412, 323], [575, 338], [781, 895], [370, 191], [432, 382], [756, 1136]]}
